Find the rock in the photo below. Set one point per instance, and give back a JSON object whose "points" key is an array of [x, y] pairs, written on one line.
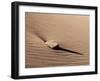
{"points": [[51, 43]]}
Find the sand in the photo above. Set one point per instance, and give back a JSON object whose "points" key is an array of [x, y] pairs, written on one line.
{"points": [[70, 31]]}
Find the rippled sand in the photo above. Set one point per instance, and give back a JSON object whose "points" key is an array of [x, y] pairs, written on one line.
{"points": [[70, 31]]}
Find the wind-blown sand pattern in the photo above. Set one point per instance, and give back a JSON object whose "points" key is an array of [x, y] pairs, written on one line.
{"points": [[70, 31]]}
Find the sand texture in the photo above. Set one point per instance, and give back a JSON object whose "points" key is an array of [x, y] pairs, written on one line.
{"points": [[70, 31]]}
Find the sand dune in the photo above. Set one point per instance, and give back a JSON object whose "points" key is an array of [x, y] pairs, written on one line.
{"points": [[70, 31]]}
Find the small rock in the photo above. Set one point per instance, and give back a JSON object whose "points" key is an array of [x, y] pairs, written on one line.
{"points": [[51, 43]]}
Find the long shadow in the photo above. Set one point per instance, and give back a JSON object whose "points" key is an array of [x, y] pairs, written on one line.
{"points": [[66, 50]]}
